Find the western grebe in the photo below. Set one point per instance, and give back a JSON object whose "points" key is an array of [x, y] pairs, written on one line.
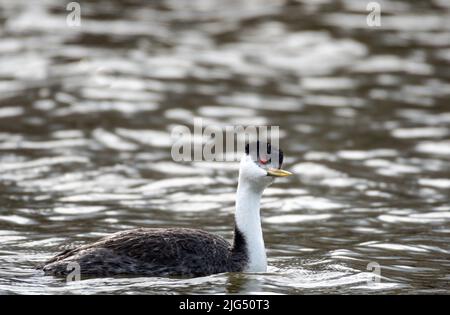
{"points": [[186, 252]]}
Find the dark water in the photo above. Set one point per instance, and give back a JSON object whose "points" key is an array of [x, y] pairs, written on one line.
{"points": [[86, 114]]}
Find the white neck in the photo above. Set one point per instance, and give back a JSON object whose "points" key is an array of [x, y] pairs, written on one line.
{"points": [[248, 222]]}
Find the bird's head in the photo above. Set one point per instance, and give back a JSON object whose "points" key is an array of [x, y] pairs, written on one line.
{"points": [[261, 163]]}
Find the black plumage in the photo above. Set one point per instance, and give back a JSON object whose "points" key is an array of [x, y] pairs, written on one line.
{"points": [[259, 148], [154, 252]]}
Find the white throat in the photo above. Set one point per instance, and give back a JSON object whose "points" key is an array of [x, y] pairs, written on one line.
{"points": [[248, 222]]}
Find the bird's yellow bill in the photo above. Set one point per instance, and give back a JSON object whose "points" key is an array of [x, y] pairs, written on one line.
{"points": [[278, 172]]}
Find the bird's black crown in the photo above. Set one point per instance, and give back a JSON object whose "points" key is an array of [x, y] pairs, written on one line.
{"points": [[258, 149]]}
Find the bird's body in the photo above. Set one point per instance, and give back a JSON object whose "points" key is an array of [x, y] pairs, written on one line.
{"points": [[180, 251], [153, 252]]}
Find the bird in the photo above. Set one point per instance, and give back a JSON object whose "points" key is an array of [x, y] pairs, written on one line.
{"points": [[186, 252]]}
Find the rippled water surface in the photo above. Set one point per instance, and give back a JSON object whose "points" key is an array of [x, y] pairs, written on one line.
{"points": [[364, 113]]}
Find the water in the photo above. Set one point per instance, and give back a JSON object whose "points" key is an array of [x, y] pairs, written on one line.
{"points": [[86, 114]]}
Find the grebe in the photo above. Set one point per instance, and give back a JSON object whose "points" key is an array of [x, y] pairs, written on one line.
{"points": [[181, 251]]}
